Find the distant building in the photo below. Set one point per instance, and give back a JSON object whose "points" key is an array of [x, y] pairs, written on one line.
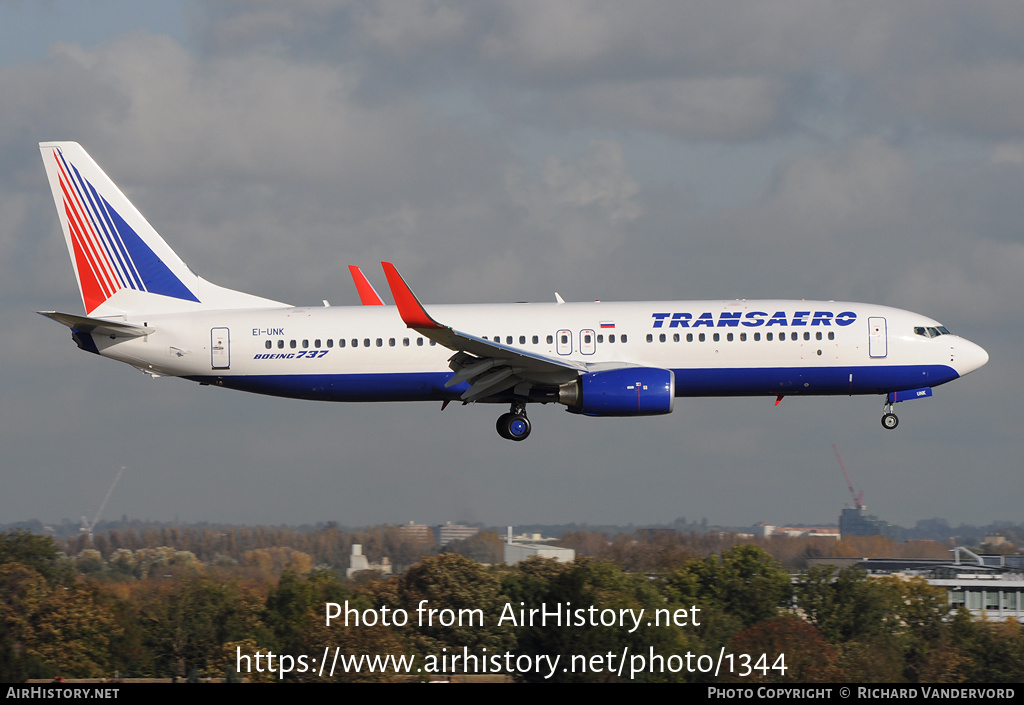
{"points": [[762, 529], [416, 533], [994, 539], [990, 586], [357, 562], [516, 552], [448, 532], [522, 547], [854, 522], [803, 532]]}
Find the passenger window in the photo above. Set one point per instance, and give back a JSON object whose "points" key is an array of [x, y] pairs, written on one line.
{"points": [[689, 337], [701, 338], [305, 344], [661, 337], [316, 343], [433, 343], [341, 342], [622, 338], [292, 344], [522, 340], [611, 338], [366, 342], [419, 342], [600, 338], [757, 337], [280, 344], [380, 342], [768, 336], [551, 339], [675, 337], [405, 342], [508, 339], [717, 337], [743, 337], [807, 336], [817, 336], [831, 335], [650, 338], [269, 345], [391, 342], [729, 337], [330, 342], [536, 340]]}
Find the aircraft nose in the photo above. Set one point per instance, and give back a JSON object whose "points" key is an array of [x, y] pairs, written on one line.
{"points": [[968, 356]]}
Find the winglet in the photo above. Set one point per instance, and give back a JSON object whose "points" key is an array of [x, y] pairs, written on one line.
{"points": [[368, 296], [409, 307]]}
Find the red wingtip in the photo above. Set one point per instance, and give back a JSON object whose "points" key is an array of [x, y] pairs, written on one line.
{"points": [[368, 296], [409, 307]]}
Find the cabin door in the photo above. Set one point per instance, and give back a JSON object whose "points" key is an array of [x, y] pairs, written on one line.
{"points": [[220, 349], [877, 346]]}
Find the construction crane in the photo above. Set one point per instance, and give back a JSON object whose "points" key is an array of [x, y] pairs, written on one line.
{"points": [[87, 526], [856, 496]]}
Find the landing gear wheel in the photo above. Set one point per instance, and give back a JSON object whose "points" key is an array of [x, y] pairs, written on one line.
{"points": [[890, 421], [514, 425], [501, 426]]}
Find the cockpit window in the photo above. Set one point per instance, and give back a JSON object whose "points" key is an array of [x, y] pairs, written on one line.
{"points": [[931, 331]]}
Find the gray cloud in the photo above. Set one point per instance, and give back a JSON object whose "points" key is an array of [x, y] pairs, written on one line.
{"points": [[498, 152]]}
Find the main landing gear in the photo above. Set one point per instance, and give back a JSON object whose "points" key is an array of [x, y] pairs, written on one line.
{"points": [[889, 419], [514, 425]]}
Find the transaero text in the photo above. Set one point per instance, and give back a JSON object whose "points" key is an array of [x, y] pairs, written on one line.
{"points": [[751, 319]]}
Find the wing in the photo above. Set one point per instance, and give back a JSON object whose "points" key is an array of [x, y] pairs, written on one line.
{"points": [[488, 366]]}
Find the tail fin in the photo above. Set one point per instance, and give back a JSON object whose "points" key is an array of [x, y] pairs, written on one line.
{"points": [[122, 264]]}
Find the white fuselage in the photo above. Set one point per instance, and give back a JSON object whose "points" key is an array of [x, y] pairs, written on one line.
{"points": [[715, 348]]}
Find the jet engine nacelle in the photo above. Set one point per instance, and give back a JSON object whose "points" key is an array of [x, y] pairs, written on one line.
{"points": [[626, 391]]}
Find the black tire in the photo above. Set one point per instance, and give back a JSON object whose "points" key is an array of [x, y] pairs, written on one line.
{"points": [[501, 426], [889, 421]]}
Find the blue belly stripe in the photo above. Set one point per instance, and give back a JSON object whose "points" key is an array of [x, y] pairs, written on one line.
{"points": [[762, 381]]}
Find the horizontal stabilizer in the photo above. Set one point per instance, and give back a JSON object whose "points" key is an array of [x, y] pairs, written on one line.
{"points": [[98, 326]]}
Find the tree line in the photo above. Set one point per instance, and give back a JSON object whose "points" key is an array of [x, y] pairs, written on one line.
{"points": [[184, 617]]}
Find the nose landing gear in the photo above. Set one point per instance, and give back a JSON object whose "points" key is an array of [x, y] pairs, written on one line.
{"points": [[889, 419], [514, 425]]}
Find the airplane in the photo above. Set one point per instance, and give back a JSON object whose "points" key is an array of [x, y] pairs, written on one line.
{"points": [[145, 307]]}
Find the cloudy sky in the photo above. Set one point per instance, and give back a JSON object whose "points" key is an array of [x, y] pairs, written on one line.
{"points": [[502, 151]]}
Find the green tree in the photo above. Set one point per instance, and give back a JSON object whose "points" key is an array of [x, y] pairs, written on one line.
{"points": [[186, 621], [39, 553], [576, 588], [745, 582], [807, 657], [472, 594]]}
